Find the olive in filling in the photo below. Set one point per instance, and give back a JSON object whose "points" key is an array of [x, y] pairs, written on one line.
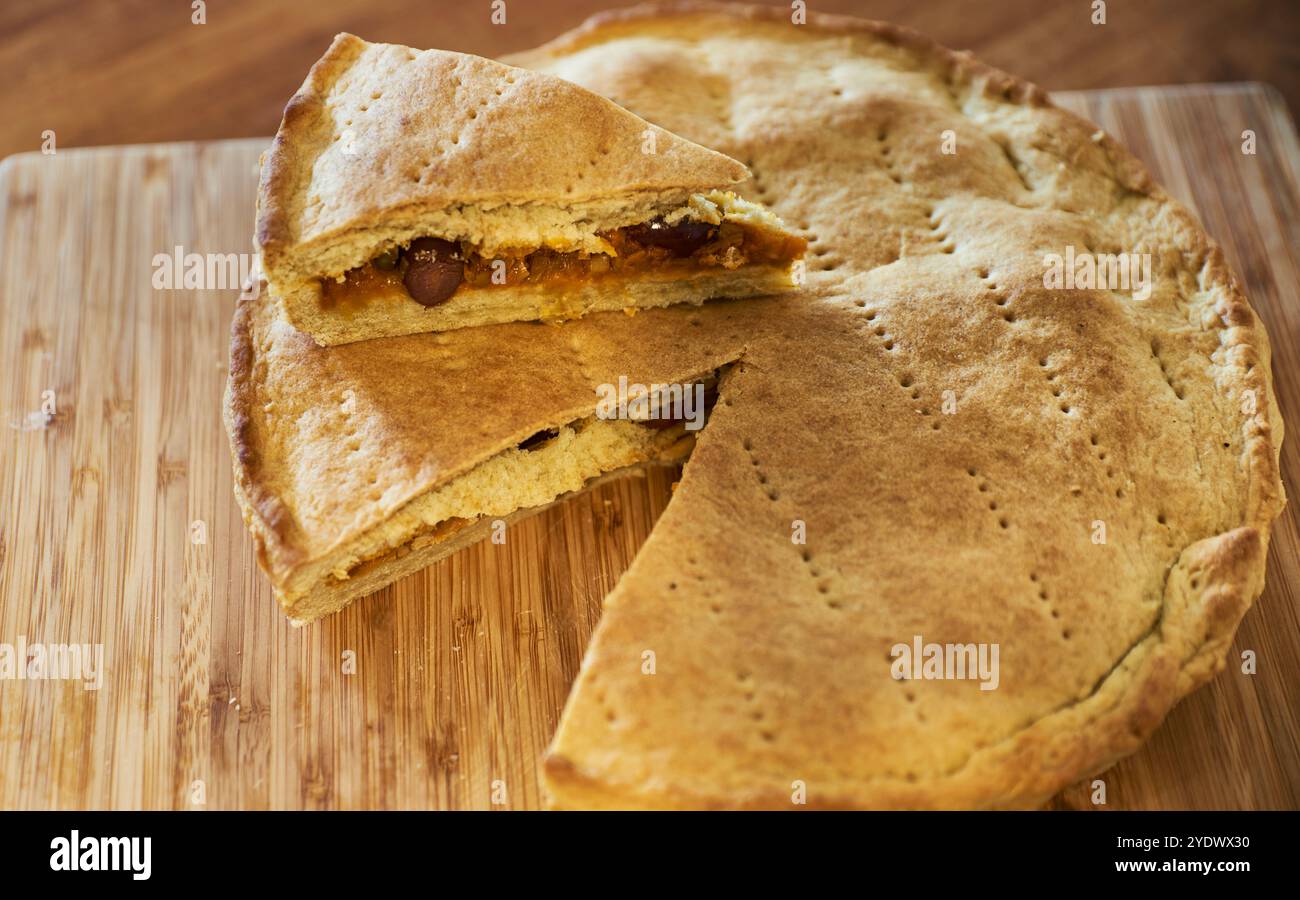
{"points": [[434, 270], [681, 239]]}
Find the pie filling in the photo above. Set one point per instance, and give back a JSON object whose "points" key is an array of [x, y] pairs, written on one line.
{"points": [[604, 445], [431, 270]]}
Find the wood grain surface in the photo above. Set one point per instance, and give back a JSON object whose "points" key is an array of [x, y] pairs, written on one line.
{"points": [[89, 70], [461, 670]]}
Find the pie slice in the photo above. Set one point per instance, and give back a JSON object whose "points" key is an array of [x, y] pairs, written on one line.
{"points": [[334, 519], [413, 191]]}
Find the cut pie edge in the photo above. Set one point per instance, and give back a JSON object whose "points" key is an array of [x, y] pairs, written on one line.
{"points": [[516, 481], [330, 595], [383, 144], [436, 516], [393, 315], [453, 275]]}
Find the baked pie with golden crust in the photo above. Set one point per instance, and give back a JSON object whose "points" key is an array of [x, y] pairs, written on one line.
{"points": [[925, 443]]}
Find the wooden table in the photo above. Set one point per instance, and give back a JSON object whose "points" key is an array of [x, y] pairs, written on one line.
{"points": [[461, 670], [132, 71]]}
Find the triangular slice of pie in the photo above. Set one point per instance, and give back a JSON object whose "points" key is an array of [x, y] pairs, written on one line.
{"points": [[413, 191], [336, 516]]}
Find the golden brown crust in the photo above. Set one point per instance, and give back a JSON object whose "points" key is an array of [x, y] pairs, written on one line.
{"points": [[626, 21], [269, 521], [379, 132], [328, 443], [599, 759], [286, 164], [1071, 409]]}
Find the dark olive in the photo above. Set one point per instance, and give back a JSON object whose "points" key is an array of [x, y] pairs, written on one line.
{"points": [[434, 270], [681, 239]]}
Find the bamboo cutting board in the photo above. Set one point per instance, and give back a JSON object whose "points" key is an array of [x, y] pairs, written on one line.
{"points": [[443, 690]]}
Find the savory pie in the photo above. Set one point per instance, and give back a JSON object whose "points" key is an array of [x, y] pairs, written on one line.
{"points": [[924, 442], [411, 191], [327, 526]]}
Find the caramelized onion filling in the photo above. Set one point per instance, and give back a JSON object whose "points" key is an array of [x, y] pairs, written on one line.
{"points": [[431, 270]]}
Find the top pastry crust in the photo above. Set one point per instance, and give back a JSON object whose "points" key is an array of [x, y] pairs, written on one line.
{"points": [[947, 431], [383, 143], [1156, 418]]}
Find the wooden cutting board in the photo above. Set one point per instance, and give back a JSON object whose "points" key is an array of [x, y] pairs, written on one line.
{"points": [[210, 699]]}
